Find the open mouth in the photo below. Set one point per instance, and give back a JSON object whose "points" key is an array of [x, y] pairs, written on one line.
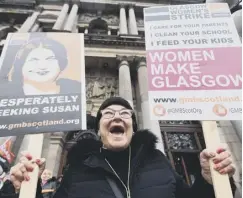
{"points": [[117, 130]]}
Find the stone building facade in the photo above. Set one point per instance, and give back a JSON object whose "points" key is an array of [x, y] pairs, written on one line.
{"points": [[115, 64]]}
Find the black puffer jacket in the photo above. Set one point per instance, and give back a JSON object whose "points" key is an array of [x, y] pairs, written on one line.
{"points": [[151, 174], [7, 189]]}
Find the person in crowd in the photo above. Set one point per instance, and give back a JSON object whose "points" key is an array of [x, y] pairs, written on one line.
{"points": [[4, 168], [37, 70], [48, 184], [6, 186], [124, 162]]}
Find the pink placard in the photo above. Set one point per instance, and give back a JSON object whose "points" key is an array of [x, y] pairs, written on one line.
{"points": [[195, 69]]}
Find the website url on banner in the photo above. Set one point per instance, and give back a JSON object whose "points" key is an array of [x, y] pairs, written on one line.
{"points": [[183, 100], [38, 124]]}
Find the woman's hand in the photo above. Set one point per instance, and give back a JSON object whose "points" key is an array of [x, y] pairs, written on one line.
{"points": [[19, 172], [222, 160]]}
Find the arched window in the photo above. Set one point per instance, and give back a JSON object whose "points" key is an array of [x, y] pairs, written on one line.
{"points": [[98, 26]]}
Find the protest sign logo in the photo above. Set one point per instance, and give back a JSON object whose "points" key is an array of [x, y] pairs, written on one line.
{"points": [[159, 110], [220, 110], [42, 83]]}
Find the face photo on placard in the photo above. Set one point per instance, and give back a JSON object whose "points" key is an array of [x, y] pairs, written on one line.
{"points": [[42, 83], [44, 64]]}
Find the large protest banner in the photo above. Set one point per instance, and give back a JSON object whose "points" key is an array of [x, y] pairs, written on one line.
{"points": [[194, 70], [194, 62], [42, 89], [42, 83]]}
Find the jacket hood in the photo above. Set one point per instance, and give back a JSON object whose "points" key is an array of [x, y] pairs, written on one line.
{"points": [[83, 148]]}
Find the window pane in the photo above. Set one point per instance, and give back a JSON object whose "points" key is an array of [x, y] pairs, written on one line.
{"points": [[178, 141]]}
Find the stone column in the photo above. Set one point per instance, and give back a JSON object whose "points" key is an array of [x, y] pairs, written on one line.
{"points": [[123, 20], [55, 152], [71, 18], [46, 145], [153, 125], [125, 84], [35, 28], [75, 28], [61, 18], [138, 106], [132, 24], [237, 125], [29, 22]]}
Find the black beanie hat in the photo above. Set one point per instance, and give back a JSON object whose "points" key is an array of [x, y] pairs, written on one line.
{"points": [[115, 101]]}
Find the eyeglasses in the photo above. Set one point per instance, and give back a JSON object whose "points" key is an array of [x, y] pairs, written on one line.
{"points": [[110, 113]]}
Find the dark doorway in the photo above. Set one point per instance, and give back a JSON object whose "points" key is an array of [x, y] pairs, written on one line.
{"points": [[187, 165], [183, 142]]}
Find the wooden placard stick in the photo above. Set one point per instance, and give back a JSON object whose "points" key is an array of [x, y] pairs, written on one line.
{"points": [[221, 184], [28, 188]]}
